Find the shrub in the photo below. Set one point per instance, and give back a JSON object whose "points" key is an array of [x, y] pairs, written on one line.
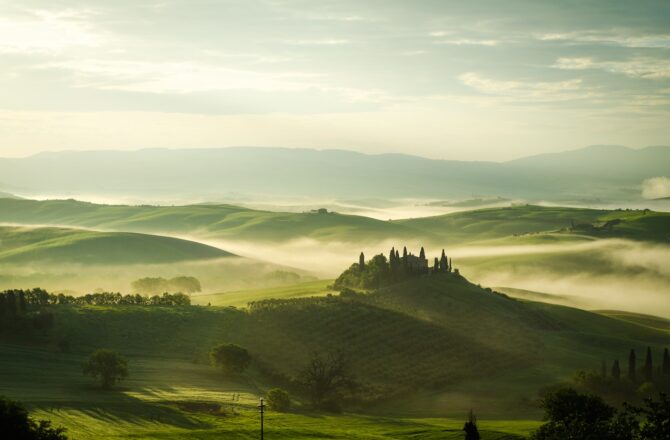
{"points": [[278, 400]]}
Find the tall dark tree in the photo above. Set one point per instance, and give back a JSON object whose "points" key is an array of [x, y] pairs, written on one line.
{"points": [[422, 254], [450, 266], [404, 255], [631, 366], [436, 265], [444, 263], [616, 370], [648, 369], [470, 427], [666, 363], [397, 256], [23, 306], [361, 261]]}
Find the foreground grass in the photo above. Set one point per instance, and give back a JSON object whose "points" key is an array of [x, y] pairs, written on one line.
{"points": [[167, 398]]}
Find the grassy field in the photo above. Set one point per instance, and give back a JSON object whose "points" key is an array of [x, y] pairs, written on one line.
{"points": [[63, 245], [171, 399], [241, 298], [433, 347]]}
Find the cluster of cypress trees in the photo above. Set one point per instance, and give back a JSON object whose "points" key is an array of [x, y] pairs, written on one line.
{"points": [[381, 271], [647, 372]]}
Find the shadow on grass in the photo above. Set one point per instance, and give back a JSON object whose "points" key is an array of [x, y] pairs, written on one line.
{"points": [[113, 406]]}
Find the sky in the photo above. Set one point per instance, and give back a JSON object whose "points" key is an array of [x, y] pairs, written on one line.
{"points": [[469, 80]]}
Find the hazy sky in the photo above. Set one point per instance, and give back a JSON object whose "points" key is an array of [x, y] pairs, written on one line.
{"points": [[448, 79]]}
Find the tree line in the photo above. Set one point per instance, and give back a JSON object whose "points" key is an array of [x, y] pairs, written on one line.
{"points": [[17, 302]]}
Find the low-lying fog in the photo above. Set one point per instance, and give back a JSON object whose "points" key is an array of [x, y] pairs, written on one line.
{"points": [[602, 274]]}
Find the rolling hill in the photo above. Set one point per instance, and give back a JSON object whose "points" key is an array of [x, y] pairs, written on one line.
{"points": [[432, 333], [61, 245], [285, 172], [238, 223], [218, 221], [435, 345]]}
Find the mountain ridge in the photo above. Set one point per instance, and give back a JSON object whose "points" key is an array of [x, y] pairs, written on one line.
{"points": [[301, 172]]}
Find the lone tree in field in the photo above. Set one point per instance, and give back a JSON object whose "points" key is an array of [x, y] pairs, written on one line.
{"points": [[326, 378], [107, 365], [232, 358], [278, 400]]}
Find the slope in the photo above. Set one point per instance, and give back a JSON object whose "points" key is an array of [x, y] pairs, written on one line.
{"points": [[432, 333], [61, 245], [220, 221]]}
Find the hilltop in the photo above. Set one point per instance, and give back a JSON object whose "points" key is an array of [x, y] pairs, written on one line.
{"points": [[64, 245]]}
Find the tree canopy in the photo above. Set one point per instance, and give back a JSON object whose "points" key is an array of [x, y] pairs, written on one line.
{"points": [[232, 358], [108, 365]]}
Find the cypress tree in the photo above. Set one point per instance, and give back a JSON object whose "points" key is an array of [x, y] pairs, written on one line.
{"points": [[397, 256], [422, 254], [361, 262], [22, 303], [444, 264], [631, 365], [648, 367], [436, 266], [450, 266], [616, 371], [404, 255], [666, 363]]}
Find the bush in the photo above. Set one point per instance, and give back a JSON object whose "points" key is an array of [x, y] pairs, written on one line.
{"points": [[278, 400], [16, 424], [231, 358]]}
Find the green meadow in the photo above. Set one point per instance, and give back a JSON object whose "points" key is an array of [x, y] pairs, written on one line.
{"points": [[427, 350]]}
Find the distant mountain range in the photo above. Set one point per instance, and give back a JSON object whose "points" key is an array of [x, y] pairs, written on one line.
{"points": [[605, 172]]}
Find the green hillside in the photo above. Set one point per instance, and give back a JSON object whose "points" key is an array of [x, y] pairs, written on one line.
{"points": [[529, 220], [233, 222], [62, 245], [430, 333], [241, 298], [221, 221], [434, 345]]}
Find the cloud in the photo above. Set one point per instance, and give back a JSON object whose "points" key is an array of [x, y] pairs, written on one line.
{"points": [[468, 42], [48, 32], [319, 42], [543, 91], [640, 67], [624, 37], [656, 188], [175, 77]]}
